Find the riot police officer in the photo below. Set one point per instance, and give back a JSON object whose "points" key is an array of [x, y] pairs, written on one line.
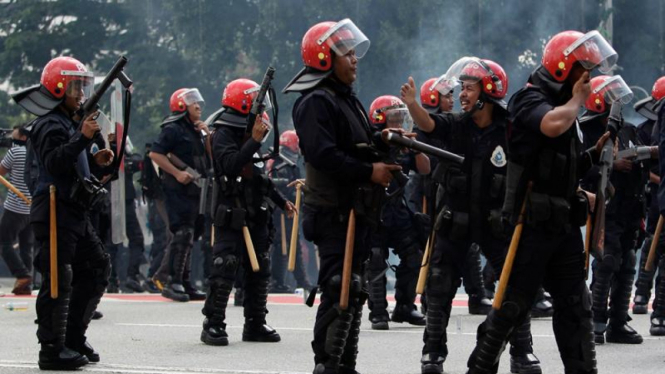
{"points": [[83, 266], [283, 171], [181, 136], [334, 131], [241, 218], [648, 131], [468, 217], [398, 228], [623, 217], [545, 153]]}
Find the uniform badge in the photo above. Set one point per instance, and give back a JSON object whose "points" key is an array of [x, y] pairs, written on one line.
{"points": [[498, 157], [94, 149]]}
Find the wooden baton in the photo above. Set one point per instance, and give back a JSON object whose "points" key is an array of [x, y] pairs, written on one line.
{"points": [[283, 224], [53, 245], [510, 257], [348, 261], [294, 231], [14, 190], [651, 260]]}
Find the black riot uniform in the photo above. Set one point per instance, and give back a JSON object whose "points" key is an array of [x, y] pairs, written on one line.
{"points": [[658, 315], [398, 230], [284, 170], [468, 221], [180, 137], [550, 251], [648, 132], [244, 199], [83, 266], [333, 128], [424, 186], [616, 270]]}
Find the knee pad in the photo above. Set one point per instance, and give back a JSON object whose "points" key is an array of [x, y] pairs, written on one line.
{"points": [[264, 263], [102, 271], [225, 266], [441, 282], [377, 260], [609, 263], [515, 306], [184, 236], [411, 256], [65, 278], [334, 286]]}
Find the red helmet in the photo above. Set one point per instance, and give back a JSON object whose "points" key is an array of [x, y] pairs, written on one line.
{"points": [[324, 37], [566, 48], [66, 75], [491, 76], [240, 94], [184, 97], [289, 139], [607, 90], [389, 111], [429, 96], [658, 90]]}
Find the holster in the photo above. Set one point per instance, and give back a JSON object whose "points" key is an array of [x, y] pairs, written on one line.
{"points": [[87, 192], [550, 212], [226, 216], [367, 202]]}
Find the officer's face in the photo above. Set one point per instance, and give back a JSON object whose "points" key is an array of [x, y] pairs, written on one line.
{"points": [[72, 103], [446, 102], [345, 67], [469, 95], [194, 110], [576, 72]]}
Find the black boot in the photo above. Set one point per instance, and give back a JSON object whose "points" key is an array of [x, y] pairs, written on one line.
{"points": [[600, 293], [658, 316], [174, 289], [644, 281], [494, 332], [377, 303], [409, 314], [618, 330], [214, 328], [522, 359], [86, 294], [348, 360], [479, 305], [439, 303], [542, 307], [52, 319], [256, 329], [133, 284], [474, 284]]}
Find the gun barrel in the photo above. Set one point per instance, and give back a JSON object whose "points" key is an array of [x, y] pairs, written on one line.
{"points": [[424, 148], [91, 104]]}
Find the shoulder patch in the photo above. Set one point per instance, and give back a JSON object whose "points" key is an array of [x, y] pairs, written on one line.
{"points": [[94, 149], [498, 158]]}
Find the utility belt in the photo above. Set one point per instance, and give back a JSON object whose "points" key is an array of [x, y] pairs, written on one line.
{"points": [[456, 182], [87, 192], [556, 214], [189, 190], [237, 217], [367, 201], [456, 225]]}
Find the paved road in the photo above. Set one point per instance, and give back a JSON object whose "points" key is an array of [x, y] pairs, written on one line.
{"points": [[148, 334]]}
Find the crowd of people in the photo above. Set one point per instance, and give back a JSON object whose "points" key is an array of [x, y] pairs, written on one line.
{"points": [[525, 176]]}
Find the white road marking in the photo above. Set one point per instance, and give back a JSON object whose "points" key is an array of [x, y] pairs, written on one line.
{"points": [[135, 369]]}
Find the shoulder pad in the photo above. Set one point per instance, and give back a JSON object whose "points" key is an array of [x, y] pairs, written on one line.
{"points": [[173, 118], [230, 119]]}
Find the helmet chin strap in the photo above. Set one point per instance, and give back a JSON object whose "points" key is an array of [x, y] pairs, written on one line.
{"points": [[479, 105]]}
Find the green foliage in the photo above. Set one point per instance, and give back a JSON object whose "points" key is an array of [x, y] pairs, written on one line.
{"points": [[207, 43]]}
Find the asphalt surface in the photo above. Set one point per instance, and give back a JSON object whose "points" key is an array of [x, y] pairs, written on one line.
{"points": [[148, 334]]}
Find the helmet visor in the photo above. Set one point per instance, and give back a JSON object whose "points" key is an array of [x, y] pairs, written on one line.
{"points": [[616, 90], [399, 118], [254, 92], [79, 83], [192, 96], [345, 36], [592, 50], [443, 85]]}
